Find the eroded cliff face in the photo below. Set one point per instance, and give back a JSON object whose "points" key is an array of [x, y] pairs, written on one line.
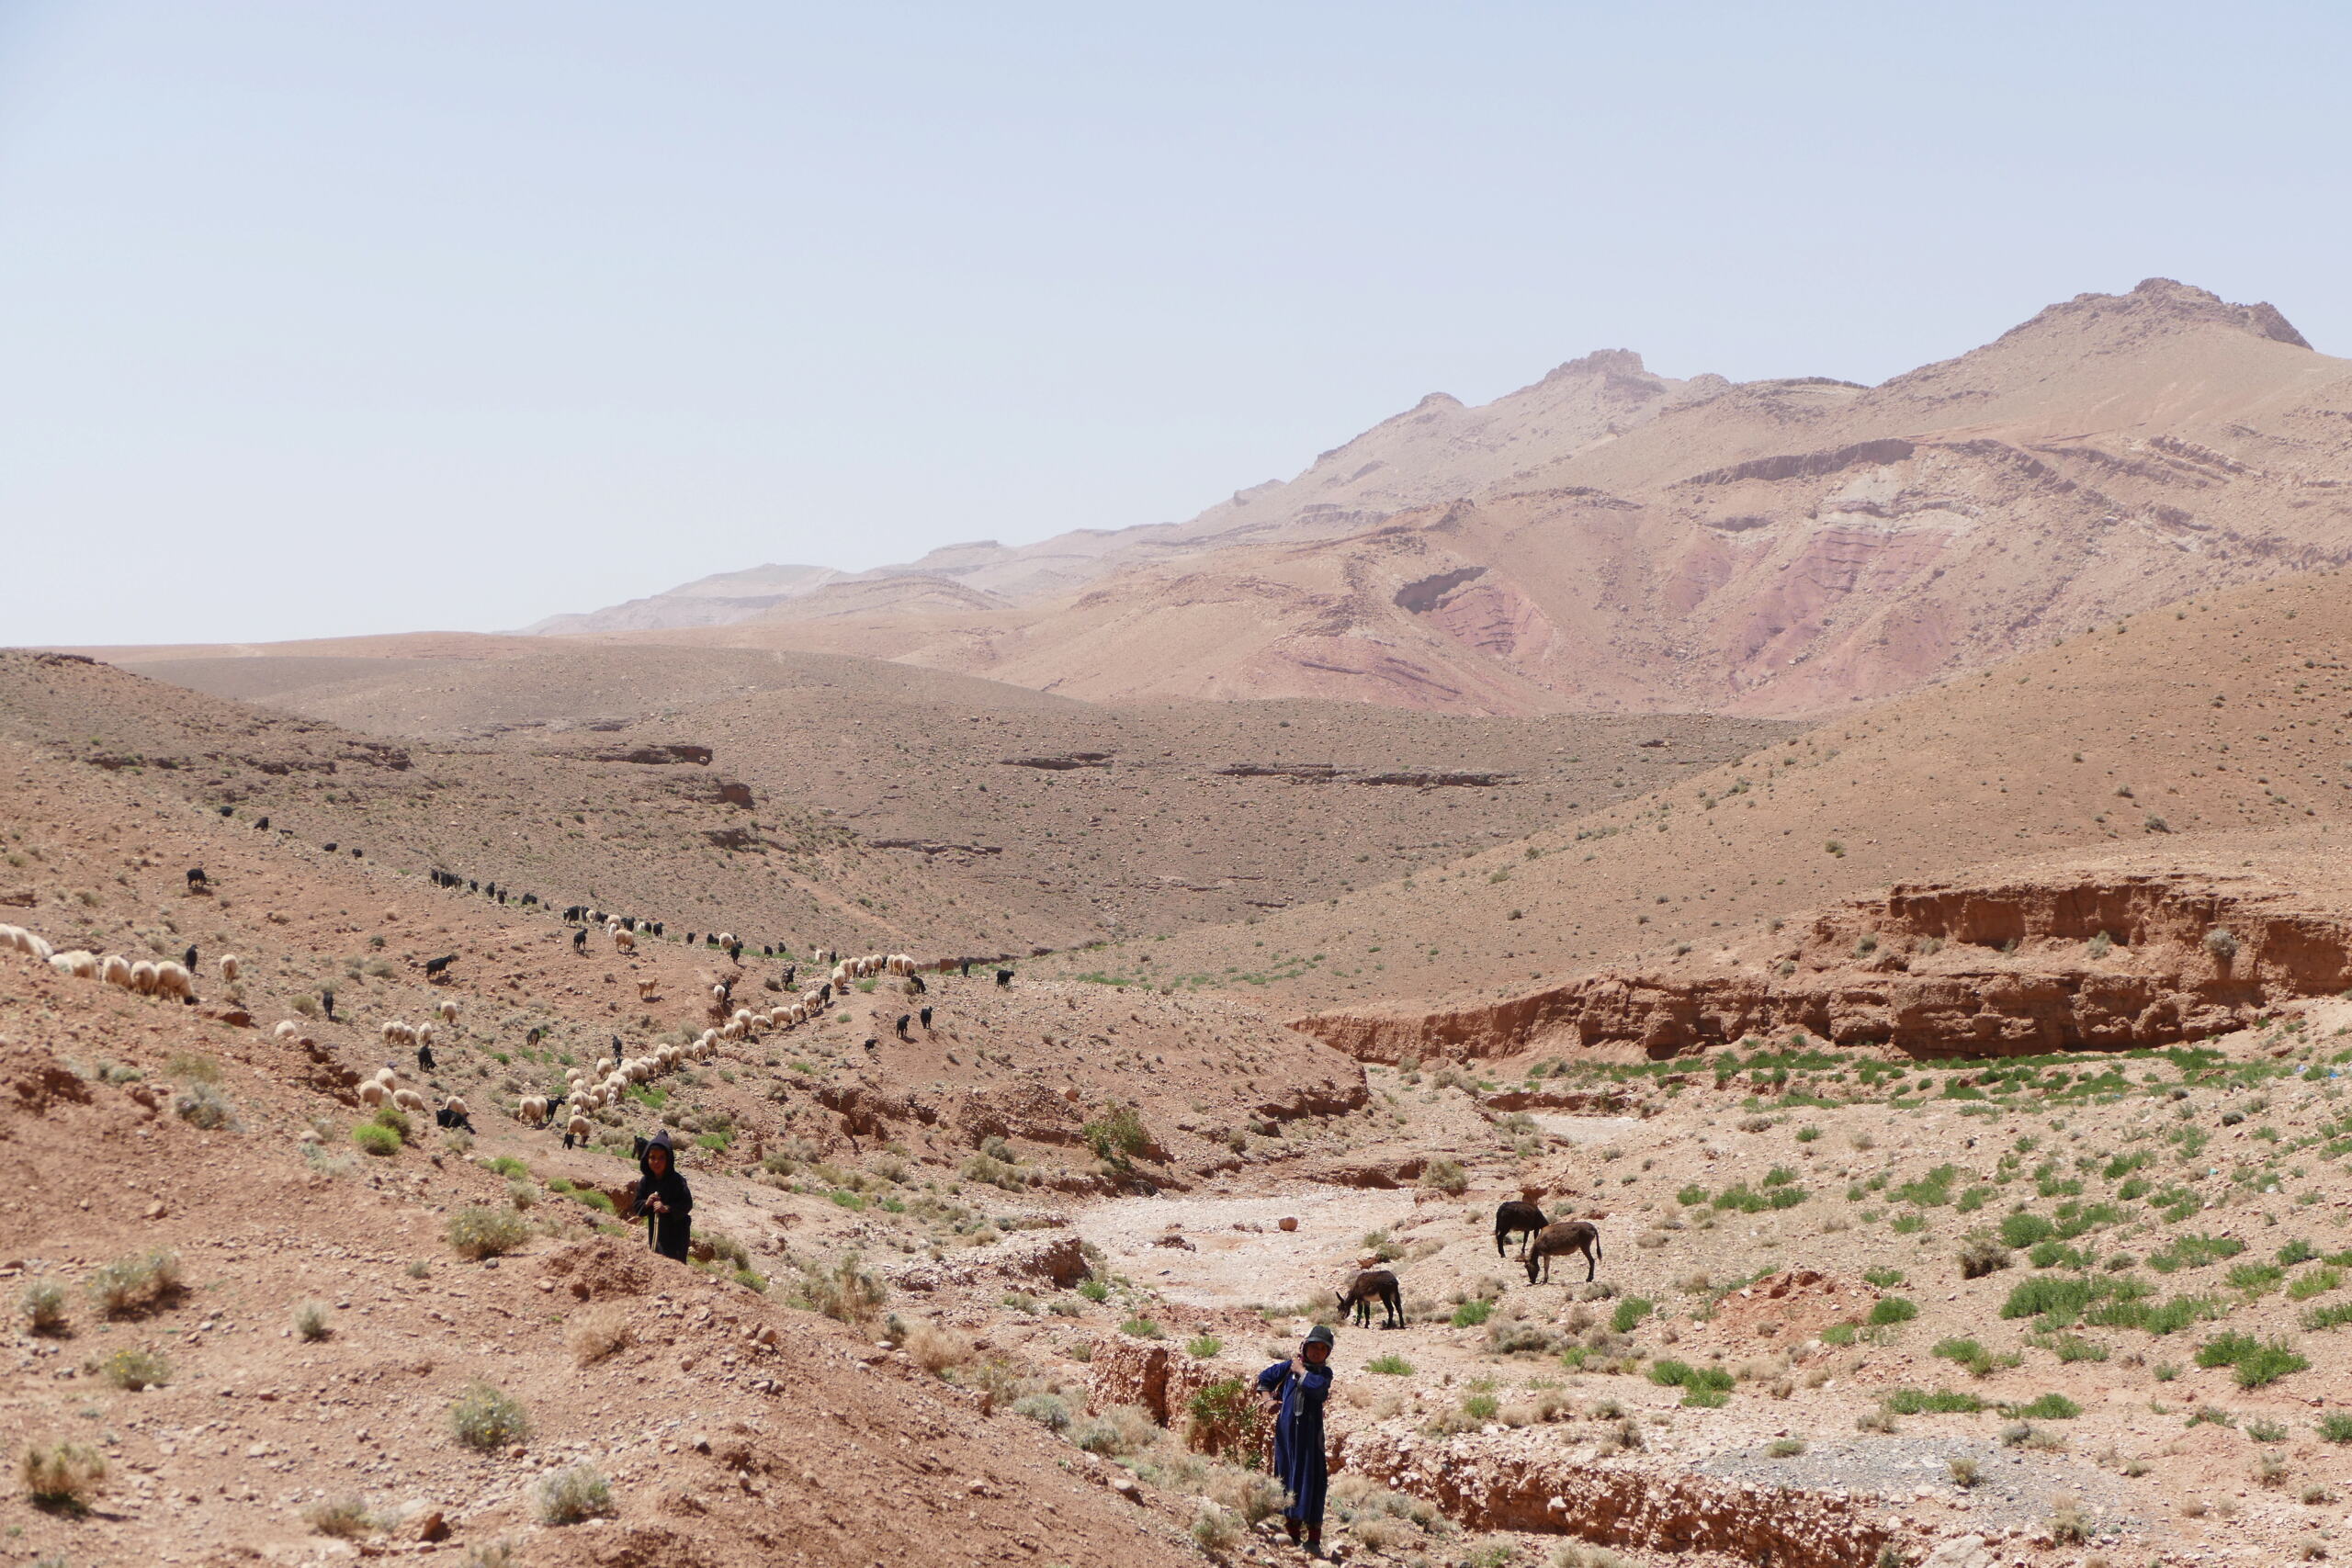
{"points": [[2006, 969]]}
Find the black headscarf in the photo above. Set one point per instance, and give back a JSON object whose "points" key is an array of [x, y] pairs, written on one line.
{"points": [[1320, 1334]]}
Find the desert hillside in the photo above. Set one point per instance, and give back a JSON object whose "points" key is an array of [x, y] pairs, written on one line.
{"points": [[1611, 540], [2223, 714], [1023, 820]]}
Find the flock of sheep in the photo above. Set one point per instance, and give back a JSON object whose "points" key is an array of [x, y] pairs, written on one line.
{"points": [[148, 977], [585, 1093]]}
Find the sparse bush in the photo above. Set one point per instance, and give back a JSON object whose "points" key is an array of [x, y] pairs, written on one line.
{"points": [[1982, 1254], [1202, 1346], [1118, 1135], [374, 1138], [43, 1306], [1226, 1417], [1445, 1175], [1889, 1310], [1142, 1328], [573, 1494], [598, 1333], [201, 1105], [1390, 1366], [1784, 1448], [1045, 1409], [1965, 1472], [477, 1233], [484, 1417], [62, 1476], [935, 1348], [134, 1370], [311, 1321], [1931, 1402], [1215, 1531], [345, 1519], [847, 1292], [2049, 1407], [2222, 945], [132, 1284]]}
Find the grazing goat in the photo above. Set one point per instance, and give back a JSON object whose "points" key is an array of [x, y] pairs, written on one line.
{"points": [[195, 877], [1004, 979], [434, 966], [1375, 1284], [1564, 1237], [1518, 1215]]}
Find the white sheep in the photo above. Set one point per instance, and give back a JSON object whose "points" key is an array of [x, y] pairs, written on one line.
{"points": [[456, 1108], [288, 1030], [81, 964], [172, 979], [626, 942], [410, 1101], [389, 1078], [841, 977], [142, 978], [372, 1094], [229, 965], [533, 1108], [30, 943], [578, 1128], [427, 1034], [726, 939], [115, 970], [448, 1010]]}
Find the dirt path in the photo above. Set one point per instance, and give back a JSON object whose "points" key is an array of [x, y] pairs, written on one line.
{"points": [[1240, 1255]]}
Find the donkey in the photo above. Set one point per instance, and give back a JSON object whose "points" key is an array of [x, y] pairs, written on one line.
{"points": [[1564, 1237], [1517, 1214], [1375, 1284]]}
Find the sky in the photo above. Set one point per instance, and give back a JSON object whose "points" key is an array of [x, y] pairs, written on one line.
{"points": [[321, 320]]}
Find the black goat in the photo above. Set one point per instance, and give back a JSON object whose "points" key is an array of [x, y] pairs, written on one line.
{"points": [[1518, 1215], [1004, 979], [904, 1019], [580, 939], [1564, 1237], [195, 877], [434, 966], [1375, 1284], [925, 1016]]}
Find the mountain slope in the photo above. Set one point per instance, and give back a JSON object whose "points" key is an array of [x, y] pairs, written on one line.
{"points": [[2219, 716], [1774, 548]]}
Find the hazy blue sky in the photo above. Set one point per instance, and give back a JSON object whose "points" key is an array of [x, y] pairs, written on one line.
{"points": [[336, 317]]}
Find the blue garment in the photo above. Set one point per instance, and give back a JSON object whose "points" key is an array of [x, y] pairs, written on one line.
{"points": [[1299, 1438]]}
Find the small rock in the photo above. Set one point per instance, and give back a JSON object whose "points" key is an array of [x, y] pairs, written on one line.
{"points": [[1287, 1222], [433, 1526]]}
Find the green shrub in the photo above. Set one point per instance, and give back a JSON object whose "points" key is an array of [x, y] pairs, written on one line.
{"points": [[573, 1494], [2074, 1348], [394, 1118], [2195, 1251], [2049, 1407], [507, 1165], [311, 1321], [1891, 1310], [1203, 1346], [485, 1418], [2314, 1281], [1885, 1278], [1048, 1410], [2023, 1230], [2257, 1362], [2336, 1425], [374, 1138], [200, 1105], [476, 1232], [1142, 1328], [1118, 1135], [1692, 1197], [1630, 1313], [1390, 1366], [1470, 1314], [1931, 1402], [1093, 1290]]}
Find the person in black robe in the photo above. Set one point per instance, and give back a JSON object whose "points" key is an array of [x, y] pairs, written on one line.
{"points": [[1298, 1389], [663, 1198]]}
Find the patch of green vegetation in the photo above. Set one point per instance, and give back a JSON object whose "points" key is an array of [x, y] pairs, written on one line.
{"points": [[1930, 1402]]}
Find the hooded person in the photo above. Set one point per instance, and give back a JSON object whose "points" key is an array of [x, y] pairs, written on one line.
{"points": [[1298, 1389], [662, 1196]]}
